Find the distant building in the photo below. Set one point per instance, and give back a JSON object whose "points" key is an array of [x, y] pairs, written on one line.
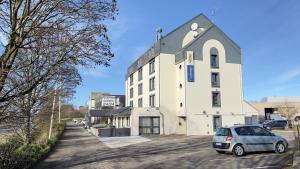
{"points": [[99, 100], [100, 104], [278, 105]]}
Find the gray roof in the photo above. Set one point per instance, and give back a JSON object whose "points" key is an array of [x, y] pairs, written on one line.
{"points": [[172, 44], [99, 113], [124, 111]]}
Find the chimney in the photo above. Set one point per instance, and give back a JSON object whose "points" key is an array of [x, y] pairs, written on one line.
{"points": [[158, 33]]}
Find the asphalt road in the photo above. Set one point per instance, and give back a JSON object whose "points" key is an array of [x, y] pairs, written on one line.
{"points": [[80, 150]]}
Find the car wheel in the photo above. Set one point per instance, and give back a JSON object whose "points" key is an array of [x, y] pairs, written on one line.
{"points": [[280, 147], [220, 152], [238, 150]]}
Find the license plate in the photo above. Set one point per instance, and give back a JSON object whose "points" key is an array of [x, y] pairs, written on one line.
{"points": [[218, 144]]}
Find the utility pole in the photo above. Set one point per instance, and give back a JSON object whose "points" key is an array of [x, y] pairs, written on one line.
{"points": [[59, 99], [52, 112], [59, 106]]}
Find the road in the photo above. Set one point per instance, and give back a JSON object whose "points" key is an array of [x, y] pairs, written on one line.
{"points": [[80, 150]]}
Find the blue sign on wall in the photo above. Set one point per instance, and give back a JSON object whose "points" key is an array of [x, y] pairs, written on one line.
{"points": [[190, 72]]}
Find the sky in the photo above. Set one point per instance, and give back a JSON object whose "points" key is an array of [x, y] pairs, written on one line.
{"points": [[267, 31]]}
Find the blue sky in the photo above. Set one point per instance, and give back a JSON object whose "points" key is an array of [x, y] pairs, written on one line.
{"points": [[267, 31]]}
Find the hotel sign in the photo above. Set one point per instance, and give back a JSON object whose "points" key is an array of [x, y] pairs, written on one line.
{"points": [[108, 101], [190, 73]]}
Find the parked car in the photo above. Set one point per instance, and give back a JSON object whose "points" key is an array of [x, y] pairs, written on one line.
{"points": [[83, 122], [277, 124], [247, 138], [297, 118]]}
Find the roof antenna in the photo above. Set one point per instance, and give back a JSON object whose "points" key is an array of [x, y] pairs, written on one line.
{"points": [[213, 13], [158, 33]]}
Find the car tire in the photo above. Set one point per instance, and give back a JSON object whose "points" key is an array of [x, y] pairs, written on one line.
{"points": [[280, 147], [220, 152], [238, 150]]}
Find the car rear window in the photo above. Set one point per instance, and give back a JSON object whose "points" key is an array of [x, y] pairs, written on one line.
{"points": [[222, 131]]}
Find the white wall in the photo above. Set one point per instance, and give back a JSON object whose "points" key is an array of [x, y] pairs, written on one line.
{"points": [[199, 93]]}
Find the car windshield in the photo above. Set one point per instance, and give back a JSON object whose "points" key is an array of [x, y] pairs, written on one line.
{"points": [[222, 131]]}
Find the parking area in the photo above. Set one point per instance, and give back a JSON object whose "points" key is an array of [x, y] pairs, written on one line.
{"points": [[80, 150]]}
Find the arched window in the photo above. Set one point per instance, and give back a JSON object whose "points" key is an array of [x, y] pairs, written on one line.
{"points": [[214, 58]]}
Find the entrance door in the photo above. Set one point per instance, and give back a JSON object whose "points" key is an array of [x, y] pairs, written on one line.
{"points": [[149, 125]]}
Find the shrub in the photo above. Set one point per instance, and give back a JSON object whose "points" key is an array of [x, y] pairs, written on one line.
{"points": [[16, 155]]}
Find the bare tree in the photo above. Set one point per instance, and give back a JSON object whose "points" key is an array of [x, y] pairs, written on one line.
{"points": [[61, 31], [288, 110]]}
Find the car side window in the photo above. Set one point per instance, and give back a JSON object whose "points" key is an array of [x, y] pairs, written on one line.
{"points": [[243, 131], [258, 131]]}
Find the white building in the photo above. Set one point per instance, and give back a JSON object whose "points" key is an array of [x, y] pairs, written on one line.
{"points": [[189, 82]]}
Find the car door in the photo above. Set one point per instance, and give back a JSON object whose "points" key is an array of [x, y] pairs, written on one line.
{"points": [[245, 137], [262, 139]]}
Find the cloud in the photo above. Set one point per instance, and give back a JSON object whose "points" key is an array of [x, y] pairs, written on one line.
{"points": [[289, 75], [98, 72], [118, 28]]}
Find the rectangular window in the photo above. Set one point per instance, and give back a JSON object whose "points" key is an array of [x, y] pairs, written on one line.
{"points": [[131, 103], [131, 92], [140, 89], [140, 74], [216, 99], [152, 100], [215, 79], [140, 102], [214, 61], [152, 84], [217, 122], [151, 66], [131, 79]]}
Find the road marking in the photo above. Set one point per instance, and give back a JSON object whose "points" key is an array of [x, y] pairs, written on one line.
{"points": [[261, 167]]}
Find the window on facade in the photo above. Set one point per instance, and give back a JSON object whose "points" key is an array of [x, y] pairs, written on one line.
{"points": [[140, 74], [131, 104], [215, 79], [152, 84], [214, 61], [151, 66], [217, 122], [216, 99], [152, 100], [131, 79], [131, 92], [140, 102], [140, 89]]}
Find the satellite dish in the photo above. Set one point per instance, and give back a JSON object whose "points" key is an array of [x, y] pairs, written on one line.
{"points": [[195, 34], [194, 26]]}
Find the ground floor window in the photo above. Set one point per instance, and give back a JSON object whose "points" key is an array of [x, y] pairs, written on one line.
{"points": [[149, 125], [217, 122]]}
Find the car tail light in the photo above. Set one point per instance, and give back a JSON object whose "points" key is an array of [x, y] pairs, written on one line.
{"points": [[229, 136]]}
